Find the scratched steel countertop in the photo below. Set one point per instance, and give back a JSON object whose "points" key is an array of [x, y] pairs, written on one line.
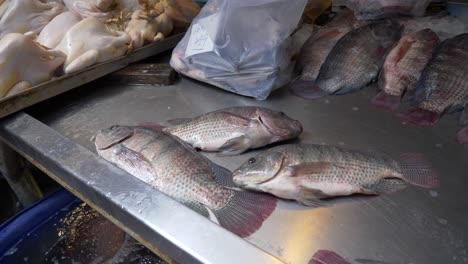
{"points": [[412, 226]]}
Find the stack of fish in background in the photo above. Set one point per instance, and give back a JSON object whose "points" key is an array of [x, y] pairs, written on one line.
{"points": [[421, 59]]}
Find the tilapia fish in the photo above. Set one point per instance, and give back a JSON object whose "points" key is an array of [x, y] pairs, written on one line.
{"points": [[316, 49], [235, 130], [462, 136], [308, 173], [403, 67], [444, 83], [176, 169], [356, 59]]}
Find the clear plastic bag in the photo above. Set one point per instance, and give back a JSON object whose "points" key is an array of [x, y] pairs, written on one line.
{"points": [[241, 46], [377, 9]]}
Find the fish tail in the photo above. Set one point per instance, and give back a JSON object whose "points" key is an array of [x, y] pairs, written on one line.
{"points": [[245, 212], [386, 101], [420, 117], [307, 90], [327, 257], [462, 136], [418, 171]]}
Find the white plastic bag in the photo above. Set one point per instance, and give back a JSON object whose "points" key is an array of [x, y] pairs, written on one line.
{"points": [[377, 9], [242, 46]]}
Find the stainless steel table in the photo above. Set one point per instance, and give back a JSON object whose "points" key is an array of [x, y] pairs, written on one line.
{"points": [[413, 226]]}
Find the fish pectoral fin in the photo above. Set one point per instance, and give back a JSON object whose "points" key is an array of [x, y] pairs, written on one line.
{"points": [[222, 175], [311, 197], [311, 168], [383, 186], [235, 146], [178, 121]]}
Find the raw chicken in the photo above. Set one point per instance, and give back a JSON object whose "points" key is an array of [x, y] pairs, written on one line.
{"points": [[182, 12], [89, 42], [91, 8], [16, 75], [144, 28], [53, 33], [22, 16]]}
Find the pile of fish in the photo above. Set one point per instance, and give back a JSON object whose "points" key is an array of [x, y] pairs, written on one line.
{"points": [[42, 39], [167, 159], [407, 60]]}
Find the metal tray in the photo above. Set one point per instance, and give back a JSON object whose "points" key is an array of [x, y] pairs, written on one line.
{"points": [[67, 82]]}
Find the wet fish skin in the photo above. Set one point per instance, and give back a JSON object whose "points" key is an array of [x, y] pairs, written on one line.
{"points": [[316, 49], [176, 169], [403, 67], [357, 58], [236, 129], [308, 173], [443, 86]]}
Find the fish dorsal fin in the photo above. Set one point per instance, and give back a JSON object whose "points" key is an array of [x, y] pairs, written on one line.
{"points": [[178, 121], [309, 168]]}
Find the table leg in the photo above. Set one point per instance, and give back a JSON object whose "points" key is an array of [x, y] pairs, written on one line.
{"points": [[15, 170]]}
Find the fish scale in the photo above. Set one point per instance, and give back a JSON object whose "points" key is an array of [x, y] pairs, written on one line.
{"points": [[308, 173], [236, 129], [444, 83], [166, 163]]}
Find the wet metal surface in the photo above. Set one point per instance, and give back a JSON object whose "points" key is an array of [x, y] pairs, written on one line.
{"points": [[412, 226]]}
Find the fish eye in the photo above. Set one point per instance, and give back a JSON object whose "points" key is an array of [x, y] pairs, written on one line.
{"points": [[252, 161]]}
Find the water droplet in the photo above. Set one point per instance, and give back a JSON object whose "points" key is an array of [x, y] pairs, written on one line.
{"points": [[140, 211], [442, 221], [169, 108], [355, 108], [25, 259], [327, 101], [439, 145], [341, 143], [433, 193], [404, 123]]}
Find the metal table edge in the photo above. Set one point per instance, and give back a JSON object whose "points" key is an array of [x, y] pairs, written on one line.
{"points": [[74, 166]]}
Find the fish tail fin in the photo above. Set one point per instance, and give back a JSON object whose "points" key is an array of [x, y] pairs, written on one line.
{"points": [[462, 136], [420, 117], [327, 257], [153, 126], [383, 186], [417, 170], [307, 90], [245, 212], [386, 101]]}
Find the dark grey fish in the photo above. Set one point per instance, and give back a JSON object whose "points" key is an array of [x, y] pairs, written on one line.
{"points": [[308, 173], [444, 83], [356, 59], [176, 169], [236, 129]]}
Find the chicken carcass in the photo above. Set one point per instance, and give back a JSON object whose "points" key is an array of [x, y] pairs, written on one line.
{"points": [[91, 8], [53, 33], [22, 16], [89, 42], [182, 12], [144, 28], [24, 63]]}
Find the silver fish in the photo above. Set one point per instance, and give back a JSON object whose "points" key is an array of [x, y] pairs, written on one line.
{"points": [[316, 49], [444, 83], [308, 173], [356, 59], [403, 67], [176, 169], [235, 130]]}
